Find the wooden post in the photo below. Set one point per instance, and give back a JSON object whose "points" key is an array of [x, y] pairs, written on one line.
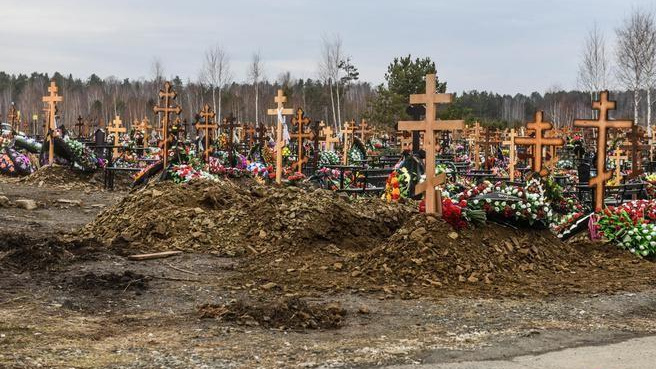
{"points": [[167, 96], [280, 111], [207, 125], [512, 154], [52, 99], [116, 130], [539, 141], [299, 120], [430, 125], [603, 105]]}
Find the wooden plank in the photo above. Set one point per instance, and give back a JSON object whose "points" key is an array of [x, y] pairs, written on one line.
{"points": [[156, 255]]}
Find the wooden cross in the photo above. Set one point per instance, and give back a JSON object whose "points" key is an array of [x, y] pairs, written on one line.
{"points": [[430, 126], [635, 136], [250, 134], [349, 129], [362, 130], [329, 139], [52, 99], [79, 125], [116, 130], [299, 120], [13, 118], [230, 126], [207, 125], [280, 112], [145, 127], [603, 105], [618, 158], [475, 140], [167, 95], [261, 135], [512, 157], [539, 141]]}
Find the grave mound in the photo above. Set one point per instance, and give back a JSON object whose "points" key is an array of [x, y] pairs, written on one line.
{"points": [[127, 280], [286, 313], [57, 175], [230, 218]]}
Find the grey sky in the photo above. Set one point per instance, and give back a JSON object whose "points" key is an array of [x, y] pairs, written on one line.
{"points": [[505, 46]]}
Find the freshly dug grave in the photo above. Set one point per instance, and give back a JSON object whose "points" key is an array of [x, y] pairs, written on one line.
{"points": [[286, 313], [426, 257], [231, 218], [57, 175]]}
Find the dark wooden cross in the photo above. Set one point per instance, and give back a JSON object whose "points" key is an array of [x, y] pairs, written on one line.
{"points": [[636, 138], [207, 126], [168, 107], [250, 134], [430, 125], [12, 117], [301, 133], [602, 124], [539, 141], [261, 134], [474, 140], [79, 125], [229, 125], [52, 99]]}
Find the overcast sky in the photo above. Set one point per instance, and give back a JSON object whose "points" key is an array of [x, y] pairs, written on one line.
{"points": [[506, 46]]}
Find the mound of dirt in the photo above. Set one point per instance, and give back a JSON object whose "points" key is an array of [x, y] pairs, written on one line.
{"points": [[127, 280], [289, 313], [60, 176], [236, 218]]}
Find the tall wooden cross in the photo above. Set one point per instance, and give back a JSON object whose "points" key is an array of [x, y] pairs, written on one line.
{"points": [[229, 124], [362, 130], [249, 130], [603, 105], [280, 112], [52, 99], [512, 154], [207, 126], [539, 141], [145, 127], [636, 146], [474, 143], [430, 125], [79, 125], [617, 157], [13, 117], [348, 130], [301, 121], [116, 130], [167, 97]]}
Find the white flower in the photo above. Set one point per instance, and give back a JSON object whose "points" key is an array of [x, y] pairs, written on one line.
{"points": [[513, 206], [496, 209], [520, 193]]}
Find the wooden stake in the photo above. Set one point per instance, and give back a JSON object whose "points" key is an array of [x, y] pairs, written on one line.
{"points": [[280, 111], [603, 105]]}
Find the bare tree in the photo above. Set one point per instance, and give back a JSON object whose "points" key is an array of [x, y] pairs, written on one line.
{"points": [[157, 69], [216, 72], [650, 67], [634, 38], [256, 73], [594, 68], [331, 56]]}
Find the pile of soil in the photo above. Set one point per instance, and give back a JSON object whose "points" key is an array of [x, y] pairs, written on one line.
{"points": [[231, 218], [127, 280], [288, 313], [57, 175]]}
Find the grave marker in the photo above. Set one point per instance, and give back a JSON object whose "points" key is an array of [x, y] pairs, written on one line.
{"points": [[603, 105], [207, 126], [145, 127], [617, 157], [300, 120], [539, 141], [329, 139], [167, 97], [116, 130], [280, 111], [13, 117], [349, 129], [230, 126], [362, 130], [52, 99], [512, 157]]}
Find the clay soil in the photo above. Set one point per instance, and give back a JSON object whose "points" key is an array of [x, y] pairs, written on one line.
{"points": [[395, 288]]}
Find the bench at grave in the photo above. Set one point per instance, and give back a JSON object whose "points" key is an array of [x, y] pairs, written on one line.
{"points": [[370, 181]]}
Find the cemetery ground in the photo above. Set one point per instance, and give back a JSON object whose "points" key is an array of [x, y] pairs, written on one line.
{"points": [[300, 298]]}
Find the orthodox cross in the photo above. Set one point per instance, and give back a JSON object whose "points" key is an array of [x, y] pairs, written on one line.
{"points": [[261, 134], [52, 99], [618, 158], [430, 126], [329, 139], [229, 125], [116, 130], [539, 141], [603, 105], [145, 127], [250, 134], [13, 118], [207, 125], [635, 137], [79, 125], [512, 157], [362, 130], [299, 120], [349, 128], [280, 112], [475, 141], [167, 97]]}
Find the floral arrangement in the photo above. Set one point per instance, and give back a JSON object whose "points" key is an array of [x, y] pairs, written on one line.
{"points": [[327, 158], [184, 173], [397, 186], [631, 225]]}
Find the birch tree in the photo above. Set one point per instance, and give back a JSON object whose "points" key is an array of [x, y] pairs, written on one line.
{"points": [[255, 73], [594, 67], [216, 72], [329, 68]]}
